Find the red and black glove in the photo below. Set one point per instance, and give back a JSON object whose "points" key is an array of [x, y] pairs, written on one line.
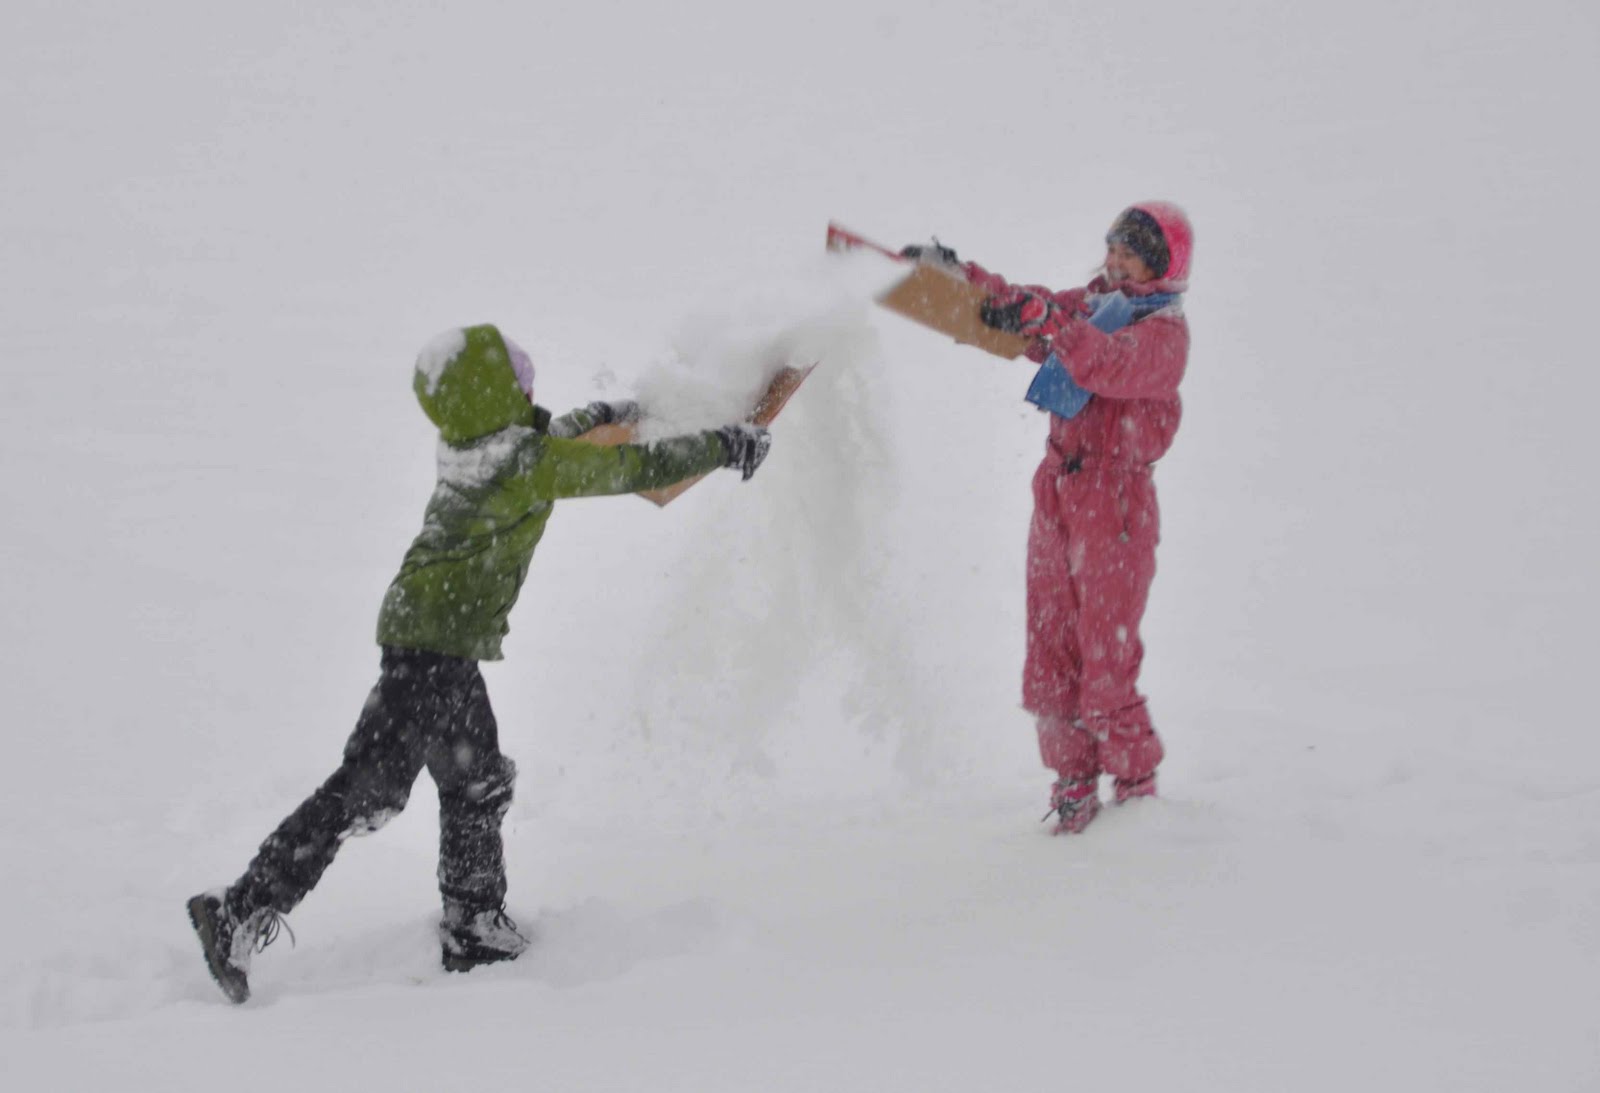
{"points": [[1018, 311]]}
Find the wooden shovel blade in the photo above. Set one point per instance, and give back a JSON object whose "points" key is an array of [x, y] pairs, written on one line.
{"points": [[783, 386], [950, 304]]}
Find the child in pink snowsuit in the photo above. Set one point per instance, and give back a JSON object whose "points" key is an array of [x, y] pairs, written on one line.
{"points": [[1111, 355]]}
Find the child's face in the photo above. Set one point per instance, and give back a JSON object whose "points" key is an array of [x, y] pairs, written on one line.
{"points": [[1124, 265]]}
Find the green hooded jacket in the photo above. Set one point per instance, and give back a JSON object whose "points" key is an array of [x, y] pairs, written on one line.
{"points": [[502, 463]]}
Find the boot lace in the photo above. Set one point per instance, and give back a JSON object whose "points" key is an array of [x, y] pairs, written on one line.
{"points": [[504, 921], [267, 932], [1064, 811], [1062, 806]]}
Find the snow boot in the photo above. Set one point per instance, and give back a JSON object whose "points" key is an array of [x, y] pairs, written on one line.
{"points": [[1074, 804], [470, 936], [1126, 789], [228, 942]]}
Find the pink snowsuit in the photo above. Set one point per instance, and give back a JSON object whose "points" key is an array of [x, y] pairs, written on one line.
{"points": [[1092, 543]]}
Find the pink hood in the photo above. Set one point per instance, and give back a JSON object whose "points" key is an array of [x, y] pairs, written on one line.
{"points": [[1179, 234]]}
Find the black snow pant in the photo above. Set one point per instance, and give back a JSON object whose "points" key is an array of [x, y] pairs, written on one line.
{"points": [[429, 710]]}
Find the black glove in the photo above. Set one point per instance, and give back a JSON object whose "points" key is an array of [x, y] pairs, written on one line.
{"points": [[605, 413], [746, 446], [1006, 317], [933, 252]]}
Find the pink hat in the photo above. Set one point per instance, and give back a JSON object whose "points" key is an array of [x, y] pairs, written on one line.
{"points": [[1178, 233], [522, 365]]}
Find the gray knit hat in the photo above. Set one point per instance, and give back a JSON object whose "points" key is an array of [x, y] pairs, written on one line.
{"points": [[1140, 232]]}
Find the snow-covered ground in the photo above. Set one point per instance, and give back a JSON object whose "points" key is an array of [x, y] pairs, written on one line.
{"points": [[775, 828]]}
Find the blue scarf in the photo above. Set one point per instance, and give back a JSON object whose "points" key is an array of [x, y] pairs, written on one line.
{"points": [[1053, 387]]}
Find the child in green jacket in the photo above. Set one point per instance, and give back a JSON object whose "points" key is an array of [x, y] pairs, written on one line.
{"points": [[503, 462]]}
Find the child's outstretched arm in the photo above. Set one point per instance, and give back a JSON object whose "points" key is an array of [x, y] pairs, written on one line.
{"points": [[592, 416], [575, 468]]}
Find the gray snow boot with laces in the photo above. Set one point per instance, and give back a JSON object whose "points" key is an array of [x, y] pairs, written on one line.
{"points": [[471, 935], [229, 942]]}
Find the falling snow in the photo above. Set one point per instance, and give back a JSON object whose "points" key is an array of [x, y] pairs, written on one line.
{"points": [[774, 826]]}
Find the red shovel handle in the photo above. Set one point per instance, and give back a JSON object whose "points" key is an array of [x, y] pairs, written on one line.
{"points": [[843, 239]]}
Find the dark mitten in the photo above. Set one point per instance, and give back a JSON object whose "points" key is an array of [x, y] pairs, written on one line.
{"points": [[746, 446], [607, 413], [933, 252], [1002, 316]]}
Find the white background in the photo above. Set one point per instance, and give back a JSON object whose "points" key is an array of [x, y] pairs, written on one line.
{"points": [[776, 824]]}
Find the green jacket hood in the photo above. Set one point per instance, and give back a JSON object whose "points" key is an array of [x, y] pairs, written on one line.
{"points": [[466, 385]]}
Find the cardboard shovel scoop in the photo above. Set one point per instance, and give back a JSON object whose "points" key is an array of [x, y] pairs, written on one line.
{"points": [[784, 384], [936, 296]]}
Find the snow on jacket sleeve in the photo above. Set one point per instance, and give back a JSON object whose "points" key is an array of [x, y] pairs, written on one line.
{"points": [[1144, 361], [574, 423]]}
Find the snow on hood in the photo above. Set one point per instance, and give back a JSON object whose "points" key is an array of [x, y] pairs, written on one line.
{"points": [[468, 385]]}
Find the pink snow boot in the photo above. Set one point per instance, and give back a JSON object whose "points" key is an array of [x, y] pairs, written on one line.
{"points": [[1074, 804], [1126, 789]]}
